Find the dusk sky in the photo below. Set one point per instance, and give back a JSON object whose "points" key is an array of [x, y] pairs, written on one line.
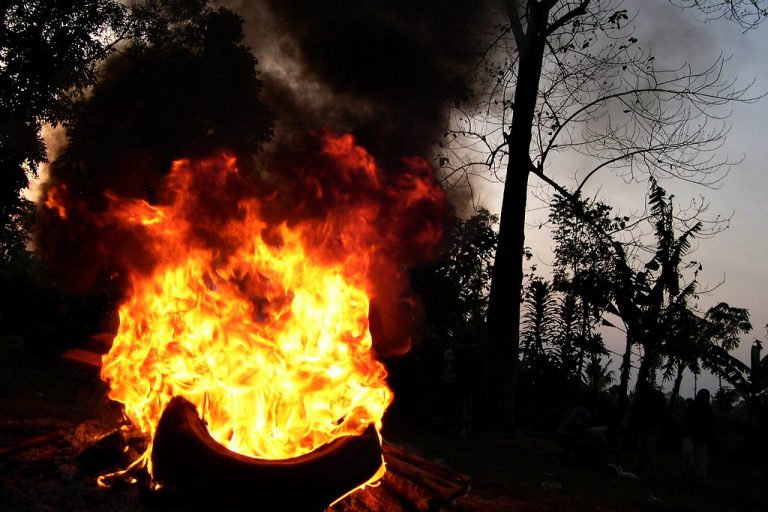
{"points": [[737, 256]]}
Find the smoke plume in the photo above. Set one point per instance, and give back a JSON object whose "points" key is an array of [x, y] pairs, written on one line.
{"points": [[385, 71]]}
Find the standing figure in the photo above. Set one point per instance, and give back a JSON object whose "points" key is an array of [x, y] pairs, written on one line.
{"points": [[649, 413], [698, 436]]}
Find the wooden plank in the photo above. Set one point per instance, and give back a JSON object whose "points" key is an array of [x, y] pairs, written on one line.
{"points": [[82, 357], [418, 497], [441, 481], [411, 484], [397, 454], [372, 499]]}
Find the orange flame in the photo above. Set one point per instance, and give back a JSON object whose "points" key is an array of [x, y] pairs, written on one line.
{"points": [[264, 327]]}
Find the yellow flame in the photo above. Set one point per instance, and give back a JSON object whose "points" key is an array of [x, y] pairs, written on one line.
{"points": [[269, 341]]}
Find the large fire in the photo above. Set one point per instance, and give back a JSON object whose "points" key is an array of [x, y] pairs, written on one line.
{"points": [[263, 325]]}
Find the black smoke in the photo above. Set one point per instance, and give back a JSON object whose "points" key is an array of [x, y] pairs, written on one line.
{"points": [[383, 70]]}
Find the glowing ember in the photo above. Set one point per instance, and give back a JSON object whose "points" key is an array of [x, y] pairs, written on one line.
{"points": [[263, 326]]}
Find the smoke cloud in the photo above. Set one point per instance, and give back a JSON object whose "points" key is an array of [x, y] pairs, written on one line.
{"points": [[385, 71]]}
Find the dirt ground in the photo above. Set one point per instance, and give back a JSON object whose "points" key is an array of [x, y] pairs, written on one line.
{"points": [[44, 397], [534, 474]]}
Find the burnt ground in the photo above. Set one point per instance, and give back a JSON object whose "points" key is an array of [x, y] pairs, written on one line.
{"points": [[42, 396]]}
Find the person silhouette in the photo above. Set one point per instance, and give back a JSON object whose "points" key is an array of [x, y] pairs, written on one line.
{"points": [[698, 436], [649, 413]]}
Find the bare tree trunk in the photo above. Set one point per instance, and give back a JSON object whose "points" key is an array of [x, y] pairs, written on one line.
{"points": [[676, 386], [505, 295], [644, 373], [626, 367], [507, 276]]}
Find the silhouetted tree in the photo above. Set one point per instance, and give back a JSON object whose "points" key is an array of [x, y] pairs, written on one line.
{"points": [[652, 300], [49, 52], [182, 86], [568, 327], [538, 329], [583, 266], [548, 84], [685, 348], [49, 55], [750, 382], [724, 326], [454, 293], [691, 336], [746, 13], [598, 377], [454, 288]]}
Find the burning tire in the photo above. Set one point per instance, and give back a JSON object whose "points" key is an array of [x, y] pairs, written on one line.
{"points": [[189, 463]]}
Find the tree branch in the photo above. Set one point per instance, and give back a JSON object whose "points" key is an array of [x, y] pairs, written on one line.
{"points": [[515, 23], [580, 10]]}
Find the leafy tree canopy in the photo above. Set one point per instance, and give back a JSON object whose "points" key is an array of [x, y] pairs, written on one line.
{"points": [[183, 86], [454, 288], [49, 51]]}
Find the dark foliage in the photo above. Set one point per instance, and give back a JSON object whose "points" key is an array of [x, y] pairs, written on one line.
{"points": [[184, 86], [45, 318], [454, 292], [454, 288], [49, 51]]}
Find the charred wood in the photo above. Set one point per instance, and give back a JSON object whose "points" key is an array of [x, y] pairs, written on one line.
{"points": [[373, 499], [411, 484], [103, 455], [100, 343]]}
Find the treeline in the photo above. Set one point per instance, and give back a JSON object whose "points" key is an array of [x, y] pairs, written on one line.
{"points": [[634, 276]]}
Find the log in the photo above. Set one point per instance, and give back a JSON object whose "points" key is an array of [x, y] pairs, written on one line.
{"points": [[28, 444], [374, 499], [105, 454], [90, 356], [411, 484], [191, 465], [418, 498], [440, 483]]}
